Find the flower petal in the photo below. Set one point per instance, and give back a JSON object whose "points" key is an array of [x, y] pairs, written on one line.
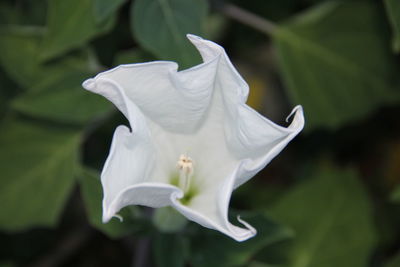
{"points": [[271, 138], [155, 195], [249, 136], [132, 159], [125, 174], [210, 208], [158, 89]]}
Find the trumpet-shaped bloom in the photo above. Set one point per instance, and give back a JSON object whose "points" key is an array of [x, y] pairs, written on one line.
{"points": [[192, 139]]}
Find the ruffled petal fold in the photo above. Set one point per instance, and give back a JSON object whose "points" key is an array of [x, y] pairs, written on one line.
{"points": [[177, 101], [250, 137], [270, 137], [210, 209]]}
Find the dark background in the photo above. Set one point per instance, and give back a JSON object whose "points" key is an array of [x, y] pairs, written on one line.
{"points": [[330, 199]]}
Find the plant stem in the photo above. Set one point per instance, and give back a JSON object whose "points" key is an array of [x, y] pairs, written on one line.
{"points": [[143, 244], [142, 252], [249, 18]]}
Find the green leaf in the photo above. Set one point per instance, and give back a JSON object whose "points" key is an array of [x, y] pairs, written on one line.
{"points": [[92, 194], [63, 100], [210, 248], [37, 165], [337, 62], [55, 90], [168, 220], [20, 48], [393, 12], [169, 250], [130, 56], [105, 8], [71, 24], [331, 215], [160, 26]]}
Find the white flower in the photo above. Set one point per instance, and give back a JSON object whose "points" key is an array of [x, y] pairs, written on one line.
{"points": [[193, 140]]}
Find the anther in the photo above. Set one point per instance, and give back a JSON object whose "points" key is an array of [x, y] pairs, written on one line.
{"points": [[185, 167]]}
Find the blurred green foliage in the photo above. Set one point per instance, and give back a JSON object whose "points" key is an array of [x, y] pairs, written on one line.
{"points": [[393, 11], [174, 19], [331, 199], [345, 53], [37, 163], [338, 211], [71, 24]]}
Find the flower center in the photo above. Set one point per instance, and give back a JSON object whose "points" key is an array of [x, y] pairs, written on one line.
{"points": [[185, 167]]}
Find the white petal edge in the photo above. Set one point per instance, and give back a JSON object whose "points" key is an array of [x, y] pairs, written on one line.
{"points": [[251, 167], [155, 195], [185, 95]]}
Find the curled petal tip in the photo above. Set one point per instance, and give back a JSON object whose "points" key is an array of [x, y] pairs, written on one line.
{"points": [[295, 110], [252, 230], [297, 123], [119, 217], [89, 84], [107, 218], [176, 195], [193, 37]]}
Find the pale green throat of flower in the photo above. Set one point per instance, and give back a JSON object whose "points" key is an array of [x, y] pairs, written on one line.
{"points": [[183, 178]]}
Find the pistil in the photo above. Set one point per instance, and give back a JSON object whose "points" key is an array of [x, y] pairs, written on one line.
{"points": [[185, 167]]}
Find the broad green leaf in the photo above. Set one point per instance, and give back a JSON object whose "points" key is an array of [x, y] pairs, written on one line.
{"points": [[160, 26], [92, 194], [168, 220], [105, 8], [136, 55], [332, 217], [55, 90], [210, 248], [63, 100], [37, 163], [20, 48], [393, 12], [337, 63], [71, 24], [169, 250], [394, 262]]}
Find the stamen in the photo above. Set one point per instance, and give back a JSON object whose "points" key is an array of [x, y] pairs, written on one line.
{"points": [[185, 167]]}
